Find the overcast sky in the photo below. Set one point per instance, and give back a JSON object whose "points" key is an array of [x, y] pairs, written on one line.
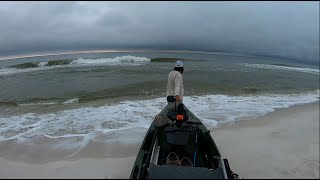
{"points": [[285, 29]]}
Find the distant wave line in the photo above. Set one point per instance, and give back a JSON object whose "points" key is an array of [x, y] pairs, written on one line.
{"points": [[122, 51]]}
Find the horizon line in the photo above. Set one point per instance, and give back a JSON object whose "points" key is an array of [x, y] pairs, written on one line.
{"points": [[135, 50]]}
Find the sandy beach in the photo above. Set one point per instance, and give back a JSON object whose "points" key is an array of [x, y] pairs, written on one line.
{"points": [[281, 144]]}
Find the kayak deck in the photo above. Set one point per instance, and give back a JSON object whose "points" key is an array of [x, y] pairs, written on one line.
{"points": [[190, 140]]}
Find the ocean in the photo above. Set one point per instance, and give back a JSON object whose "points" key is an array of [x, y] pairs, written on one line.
{"points": [[68, 101]]}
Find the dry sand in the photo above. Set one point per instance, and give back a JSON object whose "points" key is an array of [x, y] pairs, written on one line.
{"points": [[282, 144]]}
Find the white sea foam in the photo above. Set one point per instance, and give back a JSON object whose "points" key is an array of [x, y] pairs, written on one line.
{"points": [[39, 103], [128, 116], [42, 64], [117, 61], [69, 101], [276, 67], [123, 60], [50, 102], [7, 71]]}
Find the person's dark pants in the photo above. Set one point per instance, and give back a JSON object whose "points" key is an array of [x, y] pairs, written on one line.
{"points": [[172, 102]]}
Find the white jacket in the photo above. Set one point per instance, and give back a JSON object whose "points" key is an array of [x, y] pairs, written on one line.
{"points": [[175, 84]]}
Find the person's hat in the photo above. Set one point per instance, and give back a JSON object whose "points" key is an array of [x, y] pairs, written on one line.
{"points": [[179, 64]]}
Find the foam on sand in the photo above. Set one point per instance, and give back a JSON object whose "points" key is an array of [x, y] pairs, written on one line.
{"points": [[126, 116]]}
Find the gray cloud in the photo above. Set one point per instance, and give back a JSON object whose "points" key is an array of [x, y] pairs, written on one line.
{"points": [[284, 29]]}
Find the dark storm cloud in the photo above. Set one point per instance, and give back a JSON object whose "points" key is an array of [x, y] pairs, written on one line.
{"points": [[284, 29]]}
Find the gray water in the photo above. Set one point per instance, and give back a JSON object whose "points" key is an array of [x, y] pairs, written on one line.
{"points": [[204, 74]]}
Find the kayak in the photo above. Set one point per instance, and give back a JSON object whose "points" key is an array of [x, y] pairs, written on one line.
{"points": [[178, 146]]}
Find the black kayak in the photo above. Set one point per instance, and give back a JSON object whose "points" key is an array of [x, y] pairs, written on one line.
{"points": [[179, 149]]}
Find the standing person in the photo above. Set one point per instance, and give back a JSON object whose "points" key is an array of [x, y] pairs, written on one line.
{"points": [[174, 93], [175, 88]]}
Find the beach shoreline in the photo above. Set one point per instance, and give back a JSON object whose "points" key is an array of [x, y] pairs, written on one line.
{"points": [[280, 144], [277, 145]]}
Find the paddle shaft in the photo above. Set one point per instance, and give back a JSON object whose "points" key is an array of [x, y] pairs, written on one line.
{"points": [[195, 149]]}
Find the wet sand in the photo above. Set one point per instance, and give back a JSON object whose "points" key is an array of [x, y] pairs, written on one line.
{"points": [[281, 144]]}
